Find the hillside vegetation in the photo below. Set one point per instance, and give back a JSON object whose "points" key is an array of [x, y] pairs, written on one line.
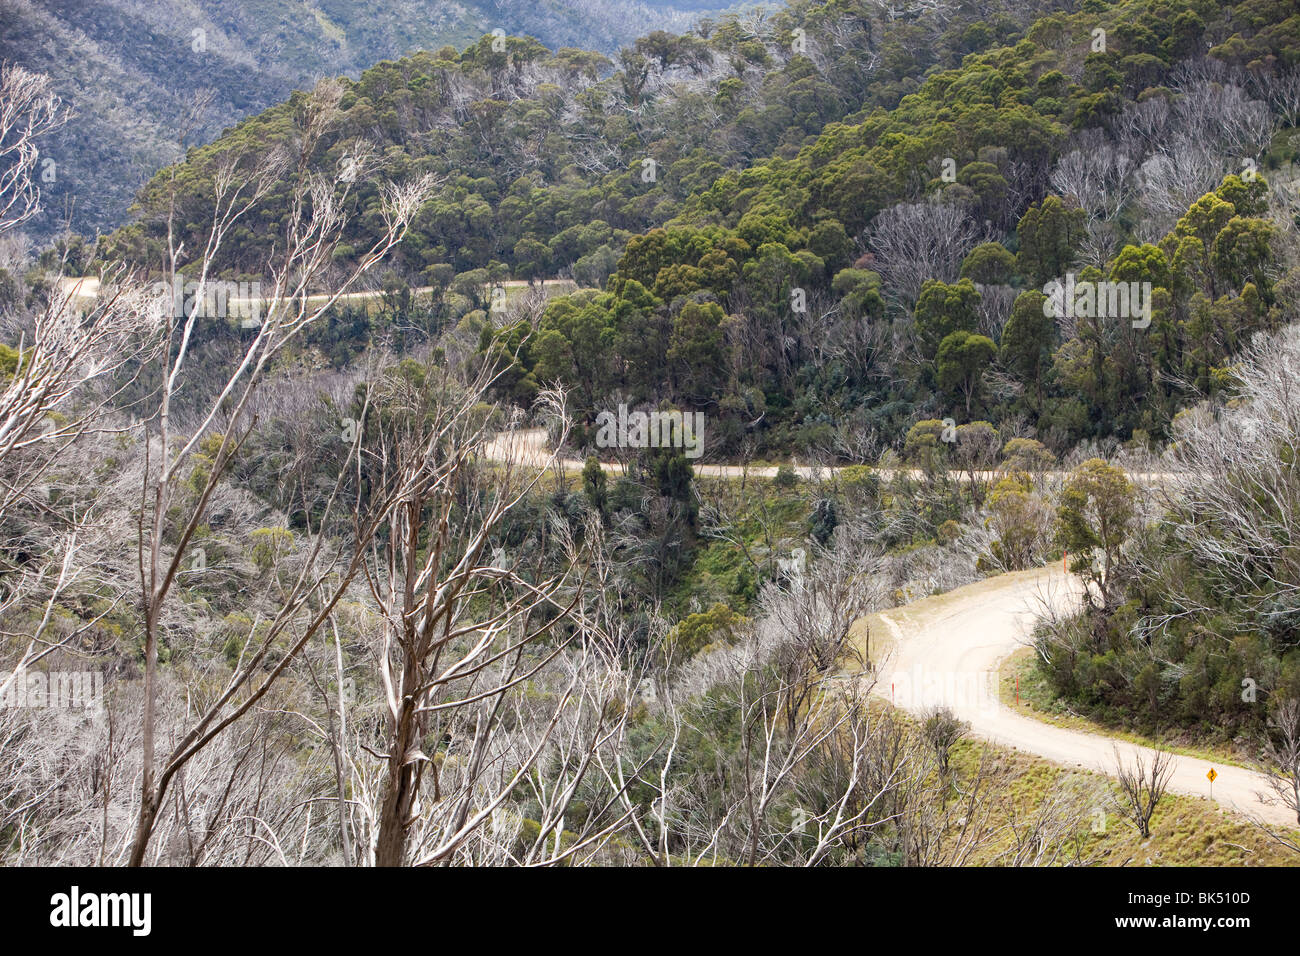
{"points": [[883, 265], [283, 527], [139, 75]]}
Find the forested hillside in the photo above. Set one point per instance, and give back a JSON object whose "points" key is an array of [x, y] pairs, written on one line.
{"points": [[854, 238], [313, 461], [137, 75]]}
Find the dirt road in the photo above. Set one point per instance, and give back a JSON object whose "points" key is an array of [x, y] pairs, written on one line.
{"points": [[947, 649], [527, 447], [85, 289]]}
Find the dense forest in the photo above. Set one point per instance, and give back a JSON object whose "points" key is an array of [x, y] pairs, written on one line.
{"points": [[830, 253], [962, 292], [149, 80]]}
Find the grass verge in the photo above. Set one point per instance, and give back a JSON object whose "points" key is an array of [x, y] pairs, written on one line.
{"points": [[1037, 700]]}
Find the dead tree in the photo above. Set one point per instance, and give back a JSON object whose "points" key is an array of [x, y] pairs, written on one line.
{"points": [[1140, 787], [459, 629], [67, 357], [168, 519], [1280, 765], [1052, 831]]}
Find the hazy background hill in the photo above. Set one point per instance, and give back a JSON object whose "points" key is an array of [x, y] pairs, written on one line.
{"points": [[130, 68]]}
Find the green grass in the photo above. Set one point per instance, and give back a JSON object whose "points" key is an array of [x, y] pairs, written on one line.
{"points": [[1185, 830]]}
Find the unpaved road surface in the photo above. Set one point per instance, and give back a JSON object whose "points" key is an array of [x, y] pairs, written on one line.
{"points": [[87, 289], [527, 447], [946, 650]]}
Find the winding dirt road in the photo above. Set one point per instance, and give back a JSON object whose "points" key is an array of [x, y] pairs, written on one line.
{"points": [[946, 650]]}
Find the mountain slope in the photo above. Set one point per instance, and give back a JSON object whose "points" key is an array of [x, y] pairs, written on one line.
{"points": [[130, 71]]}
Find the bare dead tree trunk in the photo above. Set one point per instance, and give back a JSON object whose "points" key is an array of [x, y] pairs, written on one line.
{"points": [[1281, 766], [1140, 787], [314, 230], [458, 630]]}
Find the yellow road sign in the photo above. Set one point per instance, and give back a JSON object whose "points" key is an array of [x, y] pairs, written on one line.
{"points": [[1212, 775]]}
